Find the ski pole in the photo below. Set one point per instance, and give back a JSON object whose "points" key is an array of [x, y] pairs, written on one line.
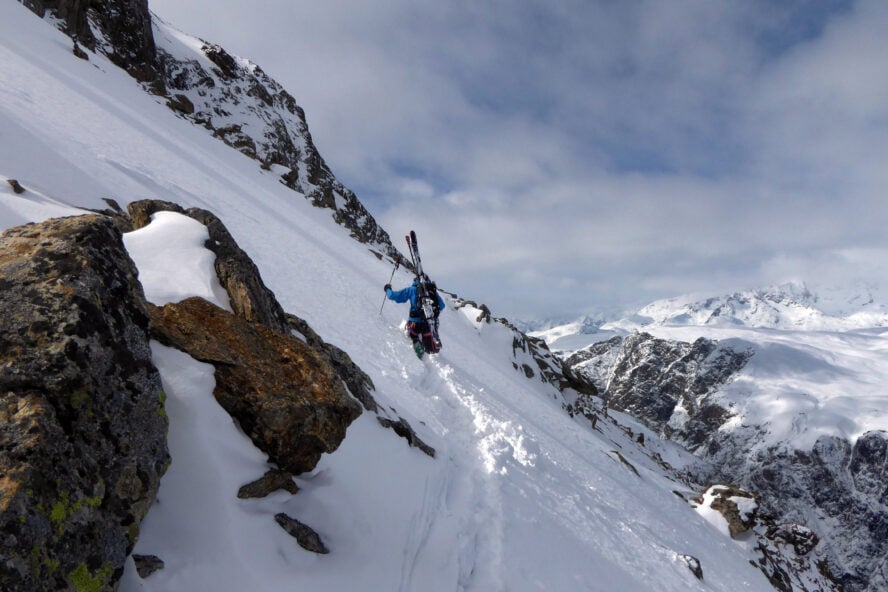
{"points": [[384, 297]]}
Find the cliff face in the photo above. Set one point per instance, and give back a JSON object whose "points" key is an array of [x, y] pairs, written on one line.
{"points": [[82, 423], [838, 489], [121, 29], [232, 98], [245, 108], [671, 386]]}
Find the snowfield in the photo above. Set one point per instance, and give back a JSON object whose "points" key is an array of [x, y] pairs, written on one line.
{"points": [[519, 497], [800, 383]]}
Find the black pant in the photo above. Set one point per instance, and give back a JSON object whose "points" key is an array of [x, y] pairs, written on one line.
{"points": [[420, 331]]}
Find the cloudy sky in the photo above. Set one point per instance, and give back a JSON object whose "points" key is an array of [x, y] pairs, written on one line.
{"points": [[558, 157]]}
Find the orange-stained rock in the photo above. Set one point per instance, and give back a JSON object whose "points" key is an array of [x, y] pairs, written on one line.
{"points": [[287, 399]]}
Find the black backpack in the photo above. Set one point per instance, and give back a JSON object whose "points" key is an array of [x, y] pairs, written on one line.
{"points": [[427, 294]]}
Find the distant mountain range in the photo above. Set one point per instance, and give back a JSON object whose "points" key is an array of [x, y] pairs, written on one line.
{"points": [[792, 305], [780, 389]]}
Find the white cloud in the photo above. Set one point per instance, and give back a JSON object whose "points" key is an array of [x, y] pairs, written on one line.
{"points": [[560, 156]]}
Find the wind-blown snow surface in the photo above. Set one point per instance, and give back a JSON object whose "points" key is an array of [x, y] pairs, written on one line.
{"points": [[520, 496]]}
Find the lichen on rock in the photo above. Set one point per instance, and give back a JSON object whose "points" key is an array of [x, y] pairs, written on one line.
{"points": [[82, 447]]}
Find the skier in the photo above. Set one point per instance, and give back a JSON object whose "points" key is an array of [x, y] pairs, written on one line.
{"points": [[418, 327]]}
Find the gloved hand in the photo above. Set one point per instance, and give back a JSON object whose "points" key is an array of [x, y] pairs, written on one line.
{"points": [[387, 287]]}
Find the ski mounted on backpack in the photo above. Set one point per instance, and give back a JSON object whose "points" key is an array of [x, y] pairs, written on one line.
{"points": [[426, 290]]}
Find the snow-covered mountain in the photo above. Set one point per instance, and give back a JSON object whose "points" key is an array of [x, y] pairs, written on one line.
{"points": [[779, 388], [790, 305], [519, 495]]}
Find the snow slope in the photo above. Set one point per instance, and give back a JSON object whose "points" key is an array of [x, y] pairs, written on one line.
{"points": [[520, 496]]}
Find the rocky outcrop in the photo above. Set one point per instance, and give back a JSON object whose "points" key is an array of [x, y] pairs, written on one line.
{"points": [[234, 99], [532, 356], [307, 538], [284, 396], [837, 489], [231, 92], [147, 564], [271, 481], [252, 301], [16, 186], [784, 551], [248, 295], [671, 386], [738, 507], [82, 423], [356, 380], [120, 29]]}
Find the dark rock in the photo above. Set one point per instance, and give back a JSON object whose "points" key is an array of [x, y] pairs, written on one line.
{"points": [[724, 503], [227, 66], [802, 539], [82, 424], [124, 26], [403, 429], [272, 481], [230, 87], [835, 483], [141, 211], [783, 551], [147, 564], [181, 103], [227, 89], [15, 186], [693, 564], [248, 296], [307, 538], [552, 369], [650, 378], [234, 136], [628, 464], [285, 397], [356, 380], [250, 299], [114, 213], [78, 52], [783, 556], [869, 465]]}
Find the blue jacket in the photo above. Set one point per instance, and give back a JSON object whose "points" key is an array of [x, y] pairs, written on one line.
{"points": [[409, 294]]}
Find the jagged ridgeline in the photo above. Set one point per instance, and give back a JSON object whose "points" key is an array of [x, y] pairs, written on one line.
{"points": [[232, 98]]}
